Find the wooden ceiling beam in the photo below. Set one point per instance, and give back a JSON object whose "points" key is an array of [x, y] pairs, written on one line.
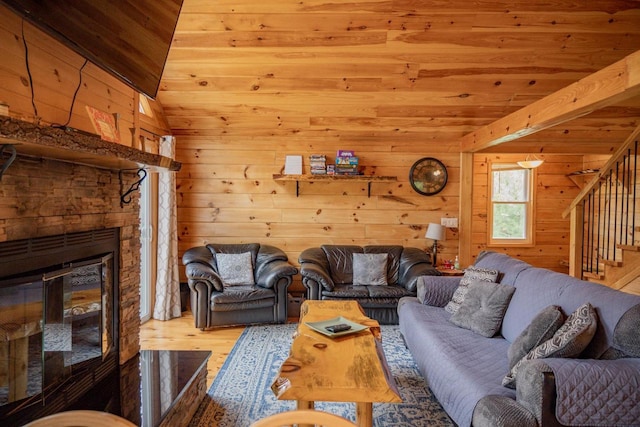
{"points": [[608, 86]]}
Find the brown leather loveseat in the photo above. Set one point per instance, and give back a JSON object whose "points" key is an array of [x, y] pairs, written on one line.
{"points": [[376, 276]]}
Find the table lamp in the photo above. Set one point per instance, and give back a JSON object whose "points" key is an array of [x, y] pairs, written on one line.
{"points": [[435, 232]]}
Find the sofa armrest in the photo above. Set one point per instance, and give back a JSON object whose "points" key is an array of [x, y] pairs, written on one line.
{"points": [[436, 290], [315, 278], [596, 392], [414, 263], [201, 291], [200, 254], [280, 288], [270, 273], [199, 272], [501, 411], [554, 390], [409, 280], [536, 391]]}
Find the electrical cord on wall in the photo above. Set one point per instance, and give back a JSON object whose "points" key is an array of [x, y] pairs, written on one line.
{"points": [[26, 60], [33, 97], [73, 100]]}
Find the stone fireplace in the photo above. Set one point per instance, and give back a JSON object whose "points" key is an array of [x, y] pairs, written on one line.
{"points": [[42, 198]]}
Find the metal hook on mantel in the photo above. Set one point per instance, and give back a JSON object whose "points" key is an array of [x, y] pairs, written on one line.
{"points": [[12, 157], [125, 198]]}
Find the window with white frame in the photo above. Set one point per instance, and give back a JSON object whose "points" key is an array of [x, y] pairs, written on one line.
{"points": [[510, 211]]}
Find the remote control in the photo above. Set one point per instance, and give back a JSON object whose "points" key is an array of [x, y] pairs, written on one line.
{"points": [[338, 328]]}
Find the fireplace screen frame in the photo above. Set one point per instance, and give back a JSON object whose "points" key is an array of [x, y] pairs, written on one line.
{"points": [[57, 263]]}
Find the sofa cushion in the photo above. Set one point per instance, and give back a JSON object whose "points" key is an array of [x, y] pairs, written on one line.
{"points": [[541, 328], [483, 308], [625, 336], [235, 269], [537, 288], [569, 341], [470, 274], [461, 367], [508, 267], [242, 297], [370, 269], [340, 259], [346, 291]]}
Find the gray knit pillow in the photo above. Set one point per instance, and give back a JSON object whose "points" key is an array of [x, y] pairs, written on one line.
{"points": [[483, 308], [568, 341], [470, 274], [541, 328], [626, 335]]}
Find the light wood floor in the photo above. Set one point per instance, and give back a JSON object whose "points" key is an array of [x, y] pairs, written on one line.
{"points": [[181, 334]]}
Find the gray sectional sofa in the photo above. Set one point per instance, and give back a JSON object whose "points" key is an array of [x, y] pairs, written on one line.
{"points": [[466, 370]]}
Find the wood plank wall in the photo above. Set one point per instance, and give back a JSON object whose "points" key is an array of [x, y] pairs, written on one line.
{"points": [[227, 194], [55, 76], [554, 191], [248, 82]]}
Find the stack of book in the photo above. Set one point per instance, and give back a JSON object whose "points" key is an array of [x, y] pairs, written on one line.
{"points": [[346, 163], [318, 164]]}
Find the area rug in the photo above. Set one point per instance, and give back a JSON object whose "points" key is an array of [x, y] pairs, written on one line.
{"points": [[241, 394]]}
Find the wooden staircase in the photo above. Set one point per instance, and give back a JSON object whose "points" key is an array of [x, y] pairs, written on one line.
{"points": [[622, 274], [605, 223]]}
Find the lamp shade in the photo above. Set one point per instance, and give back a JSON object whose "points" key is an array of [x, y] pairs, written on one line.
{"points": [[435, 232], [530, 163]]}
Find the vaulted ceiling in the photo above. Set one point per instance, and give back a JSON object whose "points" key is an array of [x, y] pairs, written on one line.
{"points": [[426, 71]]}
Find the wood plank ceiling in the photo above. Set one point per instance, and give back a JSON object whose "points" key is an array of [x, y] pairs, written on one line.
{"points": [[424, 72]]}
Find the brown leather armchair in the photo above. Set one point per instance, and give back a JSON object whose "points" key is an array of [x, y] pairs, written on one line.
{"points": [[215, 303]]}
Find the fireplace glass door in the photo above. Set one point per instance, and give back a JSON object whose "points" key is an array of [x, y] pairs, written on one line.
{"points": [[21, 308], [54, 324]]}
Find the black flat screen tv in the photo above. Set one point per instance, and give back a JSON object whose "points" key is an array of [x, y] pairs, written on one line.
{"points": [[128, 38]]}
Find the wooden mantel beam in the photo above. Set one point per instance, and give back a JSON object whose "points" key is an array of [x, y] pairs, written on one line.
{"points": [[75, 146], [608, 86]]}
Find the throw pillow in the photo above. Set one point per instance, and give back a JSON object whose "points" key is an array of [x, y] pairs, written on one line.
{"points": [[625, 334], [541, 328], [470, 274], [235, 269], [569, 341], [483, 308], [370, 269]]}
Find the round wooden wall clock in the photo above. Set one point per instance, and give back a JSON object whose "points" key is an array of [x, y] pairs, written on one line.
{"points": [[428, 176]]}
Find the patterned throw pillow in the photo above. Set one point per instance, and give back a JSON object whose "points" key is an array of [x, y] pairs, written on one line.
{"points": [[370, 269], [568, 341], [235, 269], [541, 328], [470, 274]]}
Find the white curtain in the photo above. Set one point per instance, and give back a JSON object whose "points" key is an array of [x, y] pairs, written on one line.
{"points": [[168, 280]]}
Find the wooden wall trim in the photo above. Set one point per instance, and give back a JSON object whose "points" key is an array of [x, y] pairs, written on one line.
{"points": [[465, 223], [612, 84]]}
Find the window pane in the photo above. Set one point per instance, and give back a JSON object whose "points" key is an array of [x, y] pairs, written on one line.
{"points": [[510, 186], [509, 221]]}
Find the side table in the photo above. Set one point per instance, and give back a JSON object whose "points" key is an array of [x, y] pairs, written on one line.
{"points": [[450, 272]]}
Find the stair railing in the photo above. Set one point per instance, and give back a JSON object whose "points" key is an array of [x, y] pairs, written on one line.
{"points": [[605, 215]]}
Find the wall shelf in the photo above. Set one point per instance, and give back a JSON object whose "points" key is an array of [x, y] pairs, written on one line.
{"points": [[331, 178], [75, 146], [578, 177]]}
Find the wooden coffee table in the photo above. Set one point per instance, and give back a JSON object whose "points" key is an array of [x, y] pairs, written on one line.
{"points": [[350, 368]]}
